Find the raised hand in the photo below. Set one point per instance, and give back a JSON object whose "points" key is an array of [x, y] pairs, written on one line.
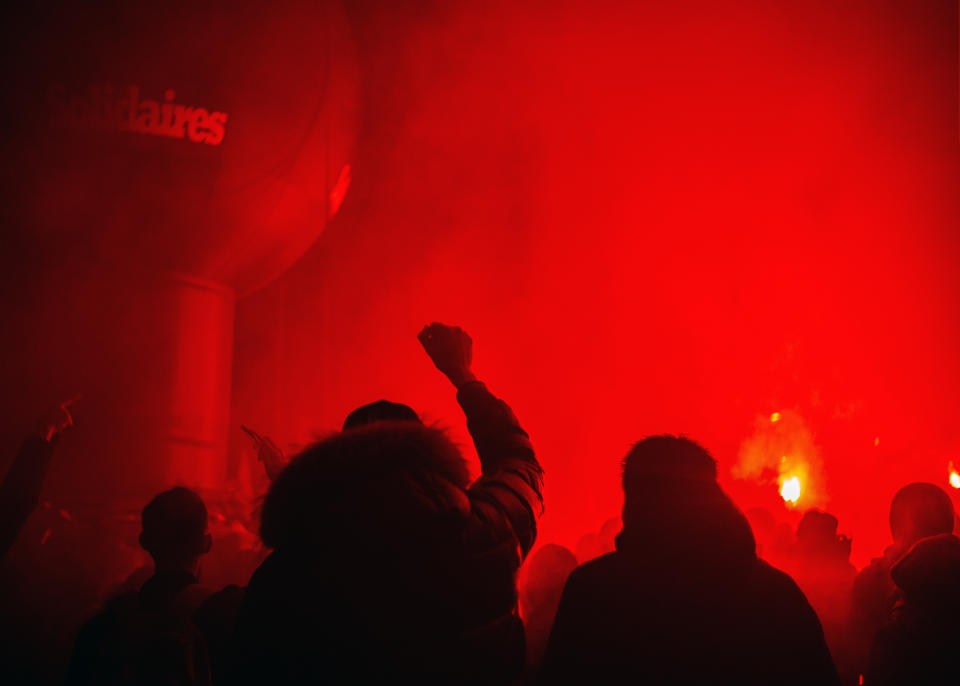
{"points": [[56, 420], [451, 350]]}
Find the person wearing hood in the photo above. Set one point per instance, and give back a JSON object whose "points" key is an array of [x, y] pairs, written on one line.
{"points": [[388, 565], [918, 510], [920, 645], [683, 598]]}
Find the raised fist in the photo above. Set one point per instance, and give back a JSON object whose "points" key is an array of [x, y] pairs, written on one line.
{"points": [[451, 350]]}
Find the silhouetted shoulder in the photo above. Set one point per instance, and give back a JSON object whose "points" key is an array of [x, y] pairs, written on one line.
{"points": [[776, 590], [598, 566], [595, 574], [777, 581]]}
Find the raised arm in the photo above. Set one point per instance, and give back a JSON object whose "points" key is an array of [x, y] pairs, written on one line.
{"points": [[21, 487], [511, 477]]}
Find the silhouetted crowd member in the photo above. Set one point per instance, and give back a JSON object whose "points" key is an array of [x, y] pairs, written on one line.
{"points": [[819, 562], [541, 586], [21, 487], [684, 598], [388, 566], [172, 631], [921, 645], [918, 510]]}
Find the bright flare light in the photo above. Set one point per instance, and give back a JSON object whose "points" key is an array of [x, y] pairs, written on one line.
{"points": [[954, 476], [790, 490]]}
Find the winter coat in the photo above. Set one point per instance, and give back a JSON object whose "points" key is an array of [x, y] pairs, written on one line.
{"points": [[921, 643], [388, 566], [684, 599]]}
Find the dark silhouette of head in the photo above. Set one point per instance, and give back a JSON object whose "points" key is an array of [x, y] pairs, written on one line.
{"points": [[817, 528], [817, 537], [661, 470], [919, 510], [672, 501], [175, 529], [380, 411], [386, 481]]}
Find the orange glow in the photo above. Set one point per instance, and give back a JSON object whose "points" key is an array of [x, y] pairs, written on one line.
{"points": [[954, 476], [790, 490], [775, 417]]}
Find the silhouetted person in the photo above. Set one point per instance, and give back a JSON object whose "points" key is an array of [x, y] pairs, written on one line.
{"points": [[819, 562], [168, 631], [22, 485], [541, 586], [921, 644], [918, 510], [388, 566], [684, 598]]}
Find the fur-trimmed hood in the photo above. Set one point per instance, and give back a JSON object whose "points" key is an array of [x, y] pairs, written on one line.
{"points": [[389, 481]]}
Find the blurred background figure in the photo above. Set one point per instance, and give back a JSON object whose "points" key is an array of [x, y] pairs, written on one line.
{"points": [[540, 586], [819, 562], [594, 544]]}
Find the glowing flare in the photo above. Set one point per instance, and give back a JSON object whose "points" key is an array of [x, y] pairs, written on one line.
{"points": [[775, 417], [954, 476], [790, 490]]}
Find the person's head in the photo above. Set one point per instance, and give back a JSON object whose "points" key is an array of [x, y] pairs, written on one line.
{"points": [[817, 528], [372, 482], [661, 472], [817, 536], [920, 510], [175, 529], [380, 411], [672, 500]]}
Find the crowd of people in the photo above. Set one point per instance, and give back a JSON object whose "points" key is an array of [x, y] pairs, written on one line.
{"points": [[388, 565]]}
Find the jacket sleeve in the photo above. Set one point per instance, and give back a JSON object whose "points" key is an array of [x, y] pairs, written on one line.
{"points": [[20, 490], [511, 480]]}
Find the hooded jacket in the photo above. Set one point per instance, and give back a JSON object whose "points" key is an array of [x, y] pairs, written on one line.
{"points": [[921, 643], [684, 599]]}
